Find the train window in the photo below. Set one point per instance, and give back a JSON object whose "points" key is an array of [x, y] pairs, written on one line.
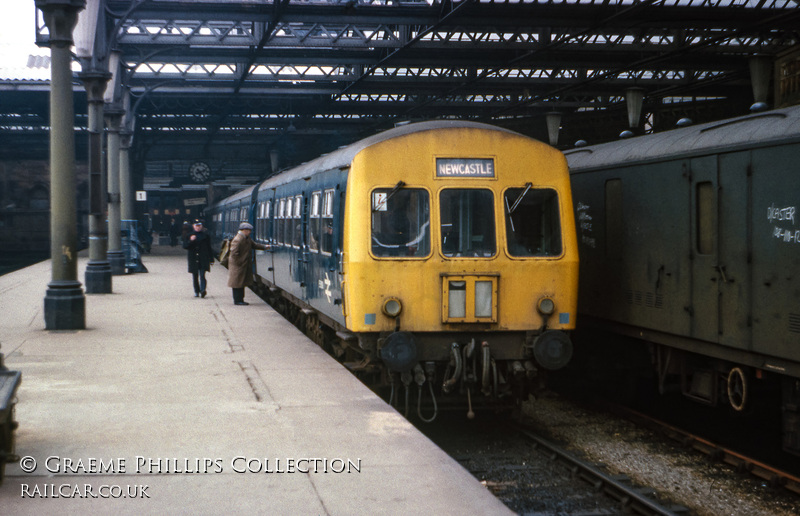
{"points": [[279, 221], [287, 221], [326, 235], [705, 218], [467, 217], [267, 215], [297, 223], [533, 227], [259, 221], [400, 222], [314, 221]]}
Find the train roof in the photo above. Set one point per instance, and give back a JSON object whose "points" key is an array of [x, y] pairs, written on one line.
{"points": [[744, 132], [342, 157], [246, 192], [241, 194]]}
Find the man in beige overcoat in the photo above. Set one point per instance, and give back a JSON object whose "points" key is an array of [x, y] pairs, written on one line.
{"points": [[240, 262]]}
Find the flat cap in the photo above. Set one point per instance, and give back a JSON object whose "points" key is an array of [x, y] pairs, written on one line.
{"points": [[245, 225]]}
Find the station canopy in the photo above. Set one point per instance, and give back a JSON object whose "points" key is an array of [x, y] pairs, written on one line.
{"points": [[279, 82]]}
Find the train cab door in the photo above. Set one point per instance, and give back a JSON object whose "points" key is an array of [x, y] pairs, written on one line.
{"points": [[322, 238], [318, 227], [705, 273]]}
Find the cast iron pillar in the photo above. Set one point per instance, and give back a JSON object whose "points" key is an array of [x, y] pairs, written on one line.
{"points": [[126, 193], [64, 302], [98, 270], [130, 238], [116, 256]]}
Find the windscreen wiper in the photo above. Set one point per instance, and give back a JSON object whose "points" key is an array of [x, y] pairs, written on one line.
{"points": [[519, 199]]}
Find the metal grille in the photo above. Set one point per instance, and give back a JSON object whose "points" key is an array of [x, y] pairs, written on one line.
{"points": [[647, 299], [794, 323]]}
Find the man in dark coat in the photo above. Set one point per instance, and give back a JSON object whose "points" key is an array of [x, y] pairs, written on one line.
{"points": [[240, 262], [198, 245]]}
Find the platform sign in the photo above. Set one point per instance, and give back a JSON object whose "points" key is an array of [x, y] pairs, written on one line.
{"points": [[194, 202], [464, 167], [141, 195]]}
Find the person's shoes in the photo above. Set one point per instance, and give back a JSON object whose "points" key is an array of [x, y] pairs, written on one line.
{"points": [[197, 294], [241, 303], [203, 294]]}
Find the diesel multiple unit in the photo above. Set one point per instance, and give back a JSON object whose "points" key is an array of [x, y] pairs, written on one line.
{"points": [[439, 253]]}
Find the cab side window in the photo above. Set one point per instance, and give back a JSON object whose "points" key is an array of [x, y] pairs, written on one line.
{"points": [[326, 231], [315, 221]]}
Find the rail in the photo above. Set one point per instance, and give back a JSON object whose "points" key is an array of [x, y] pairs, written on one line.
{"points": [[632, 498], [741, 462]]}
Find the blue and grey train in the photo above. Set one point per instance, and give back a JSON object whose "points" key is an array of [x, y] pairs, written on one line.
{"points": [[438, 253]]}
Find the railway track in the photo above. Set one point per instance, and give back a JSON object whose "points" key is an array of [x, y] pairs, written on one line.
{"points": [[632, 498], [740, 462], [531, 473], [610, 463]]}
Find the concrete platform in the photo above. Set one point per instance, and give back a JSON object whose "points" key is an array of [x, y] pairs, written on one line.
{"points": [[171, 404]]}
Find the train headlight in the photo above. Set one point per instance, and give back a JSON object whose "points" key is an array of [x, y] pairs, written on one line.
{"points": [[546, 306], [392, 307]]}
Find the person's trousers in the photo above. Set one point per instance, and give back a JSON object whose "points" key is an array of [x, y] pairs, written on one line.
{"points": [[238, 295], [199, 281]]}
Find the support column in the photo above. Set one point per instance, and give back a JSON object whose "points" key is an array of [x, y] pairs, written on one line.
{"points": [[126, 199], [64, 302], [128, 213], [115, 255], [98, 270]]}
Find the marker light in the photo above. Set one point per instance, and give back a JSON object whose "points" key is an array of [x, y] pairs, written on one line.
{"points": [[392, 307], [546, 306]]}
